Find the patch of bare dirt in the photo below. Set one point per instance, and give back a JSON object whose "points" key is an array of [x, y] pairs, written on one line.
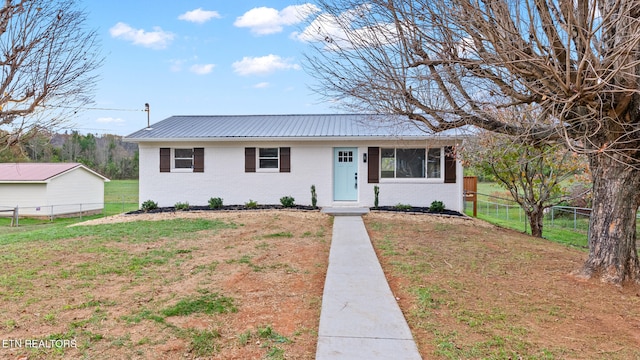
{"points": [[108, 295], [473, 290]]}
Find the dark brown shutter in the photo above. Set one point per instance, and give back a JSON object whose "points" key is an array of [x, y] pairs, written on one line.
{"points": [[198, 159], [249, 159], [165, 160], [285, 159], [373, 158], [449, 165]]}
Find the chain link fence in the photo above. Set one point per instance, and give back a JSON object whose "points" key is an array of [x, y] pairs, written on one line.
{"points": [[116, 204], [511, 214]]}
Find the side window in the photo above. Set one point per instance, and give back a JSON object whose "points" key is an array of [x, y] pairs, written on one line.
{"points": [[268, 158], [183, 158]]}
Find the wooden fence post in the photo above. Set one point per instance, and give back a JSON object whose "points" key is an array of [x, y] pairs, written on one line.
{"points": [[471, 192]]}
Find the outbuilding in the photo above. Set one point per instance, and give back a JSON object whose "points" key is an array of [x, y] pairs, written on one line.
{"points": [[50, 189], [265, 157]]}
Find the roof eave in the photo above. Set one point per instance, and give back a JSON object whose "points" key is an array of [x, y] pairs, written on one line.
{"points": [[298, 138], [24, 181]]}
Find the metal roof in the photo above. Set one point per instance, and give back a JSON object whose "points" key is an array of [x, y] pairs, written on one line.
{"points": [[37, 172], [293, 127]]}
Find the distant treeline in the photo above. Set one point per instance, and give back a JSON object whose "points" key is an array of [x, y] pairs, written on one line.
{"points": [[106, 154]]}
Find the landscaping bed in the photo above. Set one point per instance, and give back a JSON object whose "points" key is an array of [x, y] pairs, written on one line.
{"points": [[399, 209], [416, 210], [223, 208]]}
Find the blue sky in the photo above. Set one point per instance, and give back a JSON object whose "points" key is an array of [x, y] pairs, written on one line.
{"points": [[198, 58]]}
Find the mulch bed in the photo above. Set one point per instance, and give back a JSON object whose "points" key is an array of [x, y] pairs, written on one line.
{"points": [[418, 210], [409, 210]]}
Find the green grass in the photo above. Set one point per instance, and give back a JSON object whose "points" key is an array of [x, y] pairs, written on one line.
{"points": [[117, 191], [138, 231], [32, 255], [205, 304], [554, 233], [78, 261], [561, 230], [120, 196], [268, 338]]}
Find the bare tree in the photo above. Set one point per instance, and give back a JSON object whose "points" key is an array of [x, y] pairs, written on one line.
{"points": [[47, 64], [455, 62]]}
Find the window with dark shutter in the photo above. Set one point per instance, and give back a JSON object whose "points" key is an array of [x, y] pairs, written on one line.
{"points": [[285, 159], [165, 160], [374, 165], [198, 160], [249, 159], [449, 165]]}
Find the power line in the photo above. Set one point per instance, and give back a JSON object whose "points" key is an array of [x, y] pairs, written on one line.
{"points": [[92, 108]]}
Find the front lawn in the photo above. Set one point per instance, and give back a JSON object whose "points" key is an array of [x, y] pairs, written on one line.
{"points": [[224, 285], [471, 290]]}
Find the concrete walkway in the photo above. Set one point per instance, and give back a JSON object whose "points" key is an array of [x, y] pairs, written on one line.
{"points": [[360, 318]]}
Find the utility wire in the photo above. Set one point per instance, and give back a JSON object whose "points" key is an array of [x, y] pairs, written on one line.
{"points": [[91, 108]]}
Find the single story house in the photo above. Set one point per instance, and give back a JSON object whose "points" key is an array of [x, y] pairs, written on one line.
{"points": [[265, 157], [50, 189]]}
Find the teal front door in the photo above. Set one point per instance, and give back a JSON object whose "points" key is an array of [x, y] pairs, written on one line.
{"points": [[345, 174]]}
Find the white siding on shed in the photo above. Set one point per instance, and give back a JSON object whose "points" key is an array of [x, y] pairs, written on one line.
{"points": [[26, 196], [75, 191]]}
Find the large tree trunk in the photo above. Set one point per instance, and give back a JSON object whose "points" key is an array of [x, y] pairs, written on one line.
{"points": [[536, 219], [612, 237]]}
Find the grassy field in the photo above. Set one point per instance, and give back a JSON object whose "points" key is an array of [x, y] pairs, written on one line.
{"points": [[512, 217], [120, 196]]}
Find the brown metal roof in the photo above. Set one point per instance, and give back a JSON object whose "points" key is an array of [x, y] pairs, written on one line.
{"points": [[34, 172]]}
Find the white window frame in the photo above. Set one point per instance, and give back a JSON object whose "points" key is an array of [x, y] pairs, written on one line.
{"points": [[267, 169], [174, 158]]}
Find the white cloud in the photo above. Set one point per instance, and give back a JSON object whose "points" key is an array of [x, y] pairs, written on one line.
{"points": [[199, 16], [262, 85], [156, 39], [263, 65], [109, 120], [201, 69], [337, 32], [265, 21]]}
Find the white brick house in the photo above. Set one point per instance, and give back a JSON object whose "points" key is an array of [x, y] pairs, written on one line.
{"points": [[265, 157]]}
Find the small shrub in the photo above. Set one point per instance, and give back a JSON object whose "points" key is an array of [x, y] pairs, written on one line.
{"points": [[402, 206], [215, 203], [436, 206], [251, 204], [314, 196], [376, 192], [182, 205], [149, 205], [287, 201]]}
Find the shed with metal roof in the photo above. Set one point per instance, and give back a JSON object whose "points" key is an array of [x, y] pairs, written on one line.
{"points": [[50, 189]]}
